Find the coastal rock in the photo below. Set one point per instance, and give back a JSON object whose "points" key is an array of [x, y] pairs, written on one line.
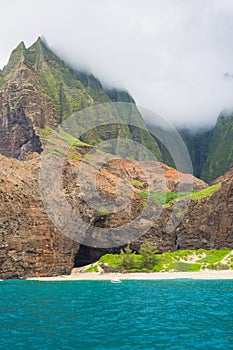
{"points": [[32, 245], [37, 92], [206, 223]]}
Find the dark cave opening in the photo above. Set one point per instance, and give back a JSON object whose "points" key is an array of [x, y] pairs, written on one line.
{"points": [[88, 255]]}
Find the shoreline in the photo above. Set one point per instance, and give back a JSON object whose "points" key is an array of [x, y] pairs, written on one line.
{"points": [[97, 276]]}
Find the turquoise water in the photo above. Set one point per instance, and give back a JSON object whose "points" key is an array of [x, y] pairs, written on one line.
{"points": [[172, 314]]}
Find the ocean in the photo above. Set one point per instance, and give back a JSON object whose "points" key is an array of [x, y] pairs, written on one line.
{"points": [[135, 314]]}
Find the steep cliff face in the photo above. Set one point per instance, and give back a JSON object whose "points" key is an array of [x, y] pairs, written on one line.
{"points": [[18, 137], [24, 110], [208, 222], [32, 245], [198, 145], [220, 155], [39, 91]]}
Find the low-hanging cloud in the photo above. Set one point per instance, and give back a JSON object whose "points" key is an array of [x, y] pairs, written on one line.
{"points": [[174, 56]]}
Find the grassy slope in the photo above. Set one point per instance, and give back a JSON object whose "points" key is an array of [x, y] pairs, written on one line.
{"points": [[164, 198], [183, 260], [69, 95], [73, 91]]}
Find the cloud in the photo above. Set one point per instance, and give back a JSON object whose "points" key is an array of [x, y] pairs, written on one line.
{"points": [[171, 55]]}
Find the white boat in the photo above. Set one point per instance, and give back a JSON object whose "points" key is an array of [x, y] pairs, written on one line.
{"points": [[116, 280]]}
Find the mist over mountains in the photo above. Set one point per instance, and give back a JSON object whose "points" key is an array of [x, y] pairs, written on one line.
{"points": [[174, 57], [49, 79], [38, 94]]}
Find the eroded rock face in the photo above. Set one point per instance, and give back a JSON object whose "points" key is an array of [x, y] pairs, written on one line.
{"points": [[208, 223], [18, 137], [24, 110], [30, 245], [32, 101]]}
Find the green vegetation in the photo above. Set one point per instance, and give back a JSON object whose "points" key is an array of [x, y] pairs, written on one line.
{"points": [[62, 143], [119, 96], [164, 198], [127, 258], [220, 155], [186, 267], [211, 150], [206, 192], [2, 80], [182, 260], [198, 146], [136, 183], [16, 58], [214, 256], [59, 134], [103, 212], [71, 91], [92, 269], [148, 255]]}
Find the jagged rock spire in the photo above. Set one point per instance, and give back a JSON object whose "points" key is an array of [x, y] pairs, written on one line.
{"points": [[16, 57]]}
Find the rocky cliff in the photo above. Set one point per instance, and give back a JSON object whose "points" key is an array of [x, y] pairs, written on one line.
{"points": [[208, 221], [38, 92], [207, 224], [32, 245]]}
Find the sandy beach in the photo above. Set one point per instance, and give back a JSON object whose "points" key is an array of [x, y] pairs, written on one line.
{"points": [[94, 276]]}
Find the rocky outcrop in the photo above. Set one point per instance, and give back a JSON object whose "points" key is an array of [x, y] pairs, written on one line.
{"points": [[37, 92], [207, 223], [18, 136], [30, 244], [24, 110]]}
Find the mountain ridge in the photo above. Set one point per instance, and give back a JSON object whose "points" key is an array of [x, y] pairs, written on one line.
{"points": [[37, 74], [38, 92]]}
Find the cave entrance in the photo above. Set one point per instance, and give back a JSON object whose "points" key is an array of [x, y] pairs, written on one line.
{"points": [[88, 255]]}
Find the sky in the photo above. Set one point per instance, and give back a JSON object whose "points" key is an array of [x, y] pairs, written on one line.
{"points": [[175, 57]]}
